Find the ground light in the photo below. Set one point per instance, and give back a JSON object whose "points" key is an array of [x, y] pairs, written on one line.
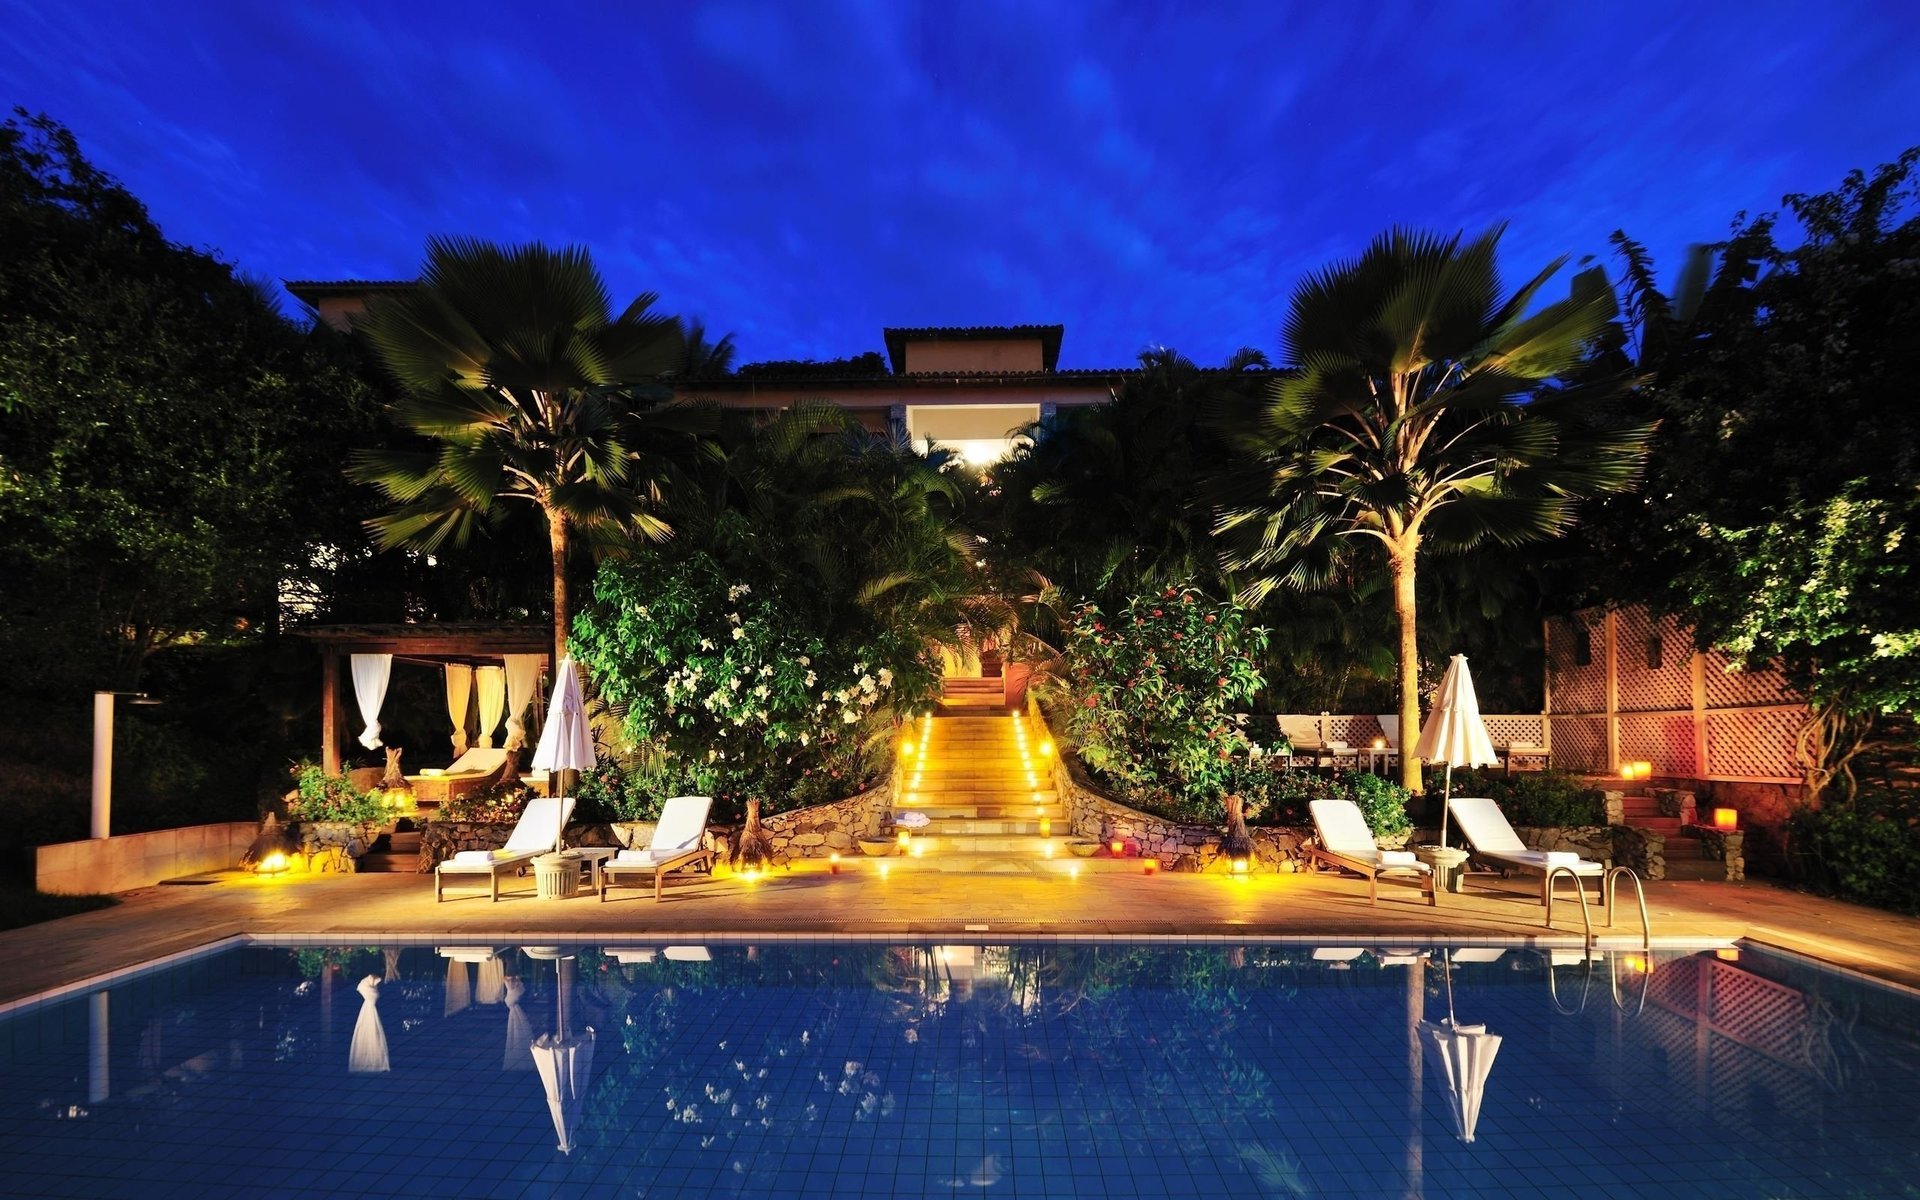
{"points": [[1241, 866], [272, 864]]}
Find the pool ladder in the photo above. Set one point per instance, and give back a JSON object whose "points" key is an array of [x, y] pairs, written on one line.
{"points": [[1609, 887]]}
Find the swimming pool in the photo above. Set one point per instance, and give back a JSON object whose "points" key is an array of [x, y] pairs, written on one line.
{"points": [[864, 1069]]}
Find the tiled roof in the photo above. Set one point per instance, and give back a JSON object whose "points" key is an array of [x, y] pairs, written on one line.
{"points": [[1049, 336], [314, 290]]}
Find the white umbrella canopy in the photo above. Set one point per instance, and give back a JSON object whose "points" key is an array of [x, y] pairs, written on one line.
{"points": [[566, 744], [1454, 733], [367, 1054]]}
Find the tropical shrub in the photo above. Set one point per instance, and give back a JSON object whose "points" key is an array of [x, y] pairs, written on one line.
{"points": [[1155, 693], [1279, 796], [1873, 858], [1545, 799], [319, 796], [495, 804], [1381, 801], [732, 680], [617, 791]]}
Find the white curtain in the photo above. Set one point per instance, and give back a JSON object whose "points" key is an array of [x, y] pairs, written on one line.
{"points": [[490, 688], [523, 675], [367, 1055], [459, 688], [370, 672]]}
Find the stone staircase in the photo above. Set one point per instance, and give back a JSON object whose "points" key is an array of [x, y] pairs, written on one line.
{"points": [[392, 852], [1686, 856], [981, 776]]}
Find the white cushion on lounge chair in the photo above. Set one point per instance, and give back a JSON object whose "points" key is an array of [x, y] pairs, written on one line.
{"points": [[689, 954], [1390, 729], [478, 760], [1337, 953], [1398, 858], [467, 954], [1492, 837], [683, 822], [643, 858], [482, 856], [1344, 831], [538, 830]]}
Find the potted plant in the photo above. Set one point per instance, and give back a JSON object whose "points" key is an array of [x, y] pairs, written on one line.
{"points": [[1384, 804]]}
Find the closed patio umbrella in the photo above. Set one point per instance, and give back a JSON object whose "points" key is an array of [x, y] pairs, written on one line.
{"points": [[566, 744], [1454, 733]]}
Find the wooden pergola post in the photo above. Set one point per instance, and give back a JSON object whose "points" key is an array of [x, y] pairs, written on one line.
{"points": [[330, 712]]}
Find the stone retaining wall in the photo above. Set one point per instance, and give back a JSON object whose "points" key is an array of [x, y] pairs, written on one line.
{"points": [[812, 832], [1724, 846], [1178, 845]]}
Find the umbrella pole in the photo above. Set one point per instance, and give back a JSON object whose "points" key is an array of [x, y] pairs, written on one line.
{"points": [[1446, 805]]}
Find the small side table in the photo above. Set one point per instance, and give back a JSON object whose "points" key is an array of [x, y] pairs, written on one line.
{"points": [[594, 858], [1449, 865]]}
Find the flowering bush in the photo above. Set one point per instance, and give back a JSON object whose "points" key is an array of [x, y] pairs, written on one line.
{"points": [[319, 796], [733, 683], [1153, 694]]}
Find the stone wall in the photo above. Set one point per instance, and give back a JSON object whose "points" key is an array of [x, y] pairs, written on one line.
{"points": [[1725, 846], [813, 832], [136, 860], [334, 845], [1179, 846], [1644, 850], [824, 829]]}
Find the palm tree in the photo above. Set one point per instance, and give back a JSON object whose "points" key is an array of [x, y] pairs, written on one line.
{"points": [[1425, 411], [514, 366]]}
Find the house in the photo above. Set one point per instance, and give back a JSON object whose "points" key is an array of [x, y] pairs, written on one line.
{"points": [[965, 388]]}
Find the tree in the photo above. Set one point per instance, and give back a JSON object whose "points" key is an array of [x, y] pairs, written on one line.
{"points": [[1789, 445], [168, 441], [532, 390], [1425, 411]]}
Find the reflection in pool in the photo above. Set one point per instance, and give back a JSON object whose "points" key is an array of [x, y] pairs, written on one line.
{"points": [[797, 1069]]}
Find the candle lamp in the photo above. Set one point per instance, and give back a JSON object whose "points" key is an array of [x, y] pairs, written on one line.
{"points": [[1150, 866], [1726, 818], [1046, 826], [903, 837], [833, 864]]}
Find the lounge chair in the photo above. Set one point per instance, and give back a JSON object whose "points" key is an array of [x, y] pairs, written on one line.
{"points": [[538, 830], [1346, 843], [1495, 843], [678, 844], [470, 772]]}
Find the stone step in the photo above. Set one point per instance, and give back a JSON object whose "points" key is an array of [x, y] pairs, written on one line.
{"points": [[1696, 869], [389, 862], [1666, 825], [932, 780], [1029, 844], [1684, 847], [987, 827], [942, 808]]}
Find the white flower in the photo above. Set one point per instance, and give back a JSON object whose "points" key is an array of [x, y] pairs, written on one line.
{"points": [[805, 661], [763, 691], [886, 677], [850, 716], [733, 618], [866, 684], [804, 739], [737, 590], [706, 643], [859, 666], [812, 678], [734, 684], [738, 633]]}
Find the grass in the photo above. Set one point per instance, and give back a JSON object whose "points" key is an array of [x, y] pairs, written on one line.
{"points": [[21, 905]]}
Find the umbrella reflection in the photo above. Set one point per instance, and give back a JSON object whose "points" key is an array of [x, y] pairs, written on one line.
{"points": [[563, 1059], [1463, 1058]]}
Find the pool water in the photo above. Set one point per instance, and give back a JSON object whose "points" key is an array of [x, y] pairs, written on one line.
{"points": [[794, 1069]]}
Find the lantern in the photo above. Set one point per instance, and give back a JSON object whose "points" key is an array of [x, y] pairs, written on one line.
{"points": [[903, 838], [1118, 847], [1150, 866], [1046, 827], [833, 864], [1726, 818], [1379, 743], [1240, 865]]}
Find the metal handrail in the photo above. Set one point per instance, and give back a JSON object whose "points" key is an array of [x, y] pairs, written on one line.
{"points": [[1646, 982], [1611, 884], [1553, 986], [1585, 918]]}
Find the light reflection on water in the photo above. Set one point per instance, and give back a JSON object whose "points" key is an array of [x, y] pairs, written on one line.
{"points": [[792, 1069]]}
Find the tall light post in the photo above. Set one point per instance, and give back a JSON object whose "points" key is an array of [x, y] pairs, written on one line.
{"points": [[103, 757]]}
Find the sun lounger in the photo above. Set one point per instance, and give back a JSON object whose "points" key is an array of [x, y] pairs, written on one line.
{"points": [[678, 844], [1345, 842], [1495, 843], [538, 831]]}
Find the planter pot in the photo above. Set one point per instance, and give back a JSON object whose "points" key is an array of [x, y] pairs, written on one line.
{"points": [[1084, 847], [885, 847]]}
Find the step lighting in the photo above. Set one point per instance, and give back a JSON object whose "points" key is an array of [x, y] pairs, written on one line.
{"points": [[1046, 748]]}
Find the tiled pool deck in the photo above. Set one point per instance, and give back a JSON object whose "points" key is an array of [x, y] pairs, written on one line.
{"points": [[921, 901]]}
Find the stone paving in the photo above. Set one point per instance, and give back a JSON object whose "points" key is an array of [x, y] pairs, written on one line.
{"points": [[919, 898]]}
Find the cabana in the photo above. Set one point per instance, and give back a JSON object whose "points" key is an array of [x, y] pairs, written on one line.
{"points": [[491, 671]]}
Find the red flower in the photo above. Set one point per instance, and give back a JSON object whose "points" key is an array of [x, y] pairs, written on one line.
{"points": [[1089, 701], [1158, 613], [1209, 618], [1176, 637]]}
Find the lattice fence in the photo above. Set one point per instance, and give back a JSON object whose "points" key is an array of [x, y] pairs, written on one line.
{"points": [[1359, 729], [1654, 658], [1507, 729], [1576, 687], [1354, 730], [1647, 691], [1754, 742], [1580, 743]]}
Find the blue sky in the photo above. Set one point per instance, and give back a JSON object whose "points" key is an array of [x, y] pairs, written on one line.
{"points": [[804, 173]]}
